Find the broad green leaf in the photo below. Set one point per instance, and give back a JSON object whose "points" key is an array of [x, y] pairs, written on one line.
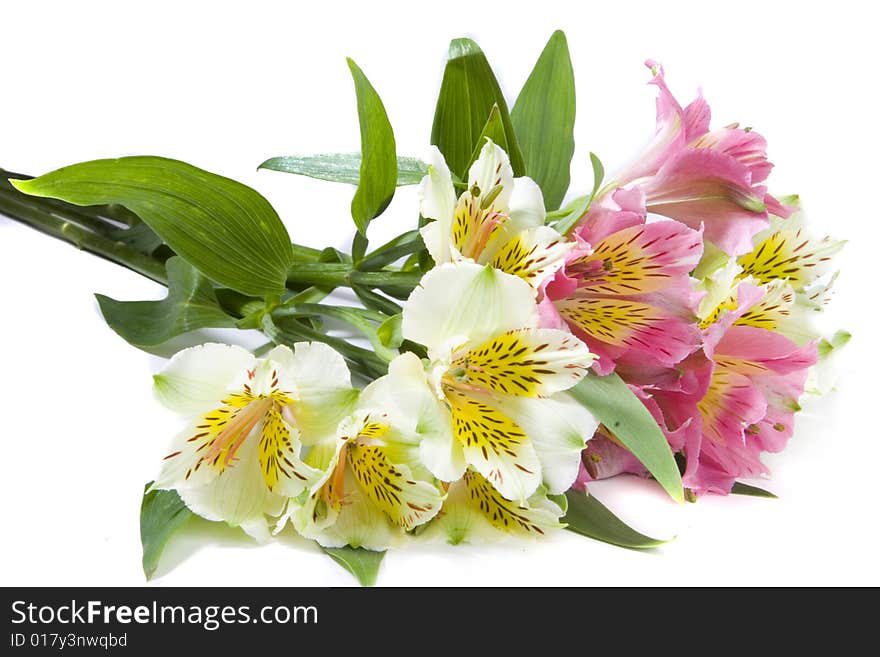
{"points": [[343, 167], [190, 304], [494, 130], [740, 488], [612, 403], [467, 94], [162, 514], [543, 118], [224, 229], [363, 564], [587, 516], [378, 171]]}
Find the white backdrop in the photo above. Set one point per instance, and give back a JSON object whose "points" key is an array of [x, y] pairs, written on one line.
{"points": [[225, 87]]}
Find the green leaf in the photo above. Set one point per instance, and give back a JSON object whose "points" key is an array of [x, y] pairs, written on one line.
{"points": [[343, 167], [569, 217], [612, 403], [162, 514], [378, 171], [467, 94], [740, 488], [390, 332], [190, 304], [587, 516], [543, 118], [224, 229], [494, 130], [363, 564]]}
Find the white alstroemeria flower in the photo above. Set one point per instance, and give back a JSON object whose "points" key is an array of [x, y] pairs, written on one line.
{"points": [[374, 487], [498, 221], [239, 460], [493, 373]]}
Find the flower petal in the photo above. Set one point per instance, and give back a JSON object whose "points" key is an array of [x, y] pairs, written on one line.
{"points": [[699, 186], [611, 327], [475, 512], [790, 255], [358, 522], [533, 255], [527, 362], [492, 169], [238, 496], [437, 195], [640, 259], [409, 399], [195, 379], [466, 302], [319, 383], [392, 487], [559, 428], [494, 445]]}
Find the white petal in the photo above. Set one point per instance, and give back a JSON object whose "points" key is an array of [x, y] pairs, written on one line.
{"points": [[238, 496], [559, 428], [318, 379], [414, 410], [467, 300], [492, 169], [436, 239], [534, 254], [437, 195], [526, 209], [475, 512], [196, 379], [358, 523]]}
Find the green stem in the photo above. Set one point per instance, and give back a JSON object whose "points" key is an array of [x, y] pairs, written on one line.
{"points": [[364, 361], [328, 274], [47, 221]]}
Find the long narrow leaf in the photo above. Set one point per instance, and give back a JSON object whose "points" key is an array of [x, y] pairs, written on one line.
{"points": [[378, 171], [617, 407], [343, 167], [543, 118], [587, 516]]}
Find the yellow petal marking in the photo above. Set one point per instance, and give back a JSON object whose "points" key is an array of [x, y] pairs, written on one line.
{"points": [[615, 321], [502, 513], [511, 364], [788, 255]]}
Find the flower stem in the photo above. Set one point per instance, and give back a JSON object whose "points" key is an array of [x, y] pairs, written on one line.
{"points": [[47, 220]]}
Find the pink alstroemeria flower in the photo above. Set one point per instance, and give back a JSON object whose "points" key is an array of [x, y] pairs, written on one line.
{"points": [[625, 290], [748, 381], [704, 178]]}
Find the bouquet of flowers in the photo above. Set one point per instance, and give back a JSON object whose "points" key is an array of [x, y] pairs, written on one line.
{"points": [[504, 352]]}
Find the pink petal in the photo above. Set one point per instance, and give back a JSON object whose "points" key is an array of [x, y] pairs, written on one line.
{"points": [[701, 186]]}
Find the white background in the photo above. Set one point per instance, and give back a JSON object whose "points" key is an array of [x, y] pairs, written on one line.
{"points": [[224, 87]]}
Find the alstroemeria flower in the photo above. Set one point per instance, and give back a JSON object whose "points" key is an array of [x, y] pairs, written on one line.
{"points": [[494, 373], [239, 460], [704, 178], [374, 486], [498, 221], [753, 378], [625, 290], [789, 264]]}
